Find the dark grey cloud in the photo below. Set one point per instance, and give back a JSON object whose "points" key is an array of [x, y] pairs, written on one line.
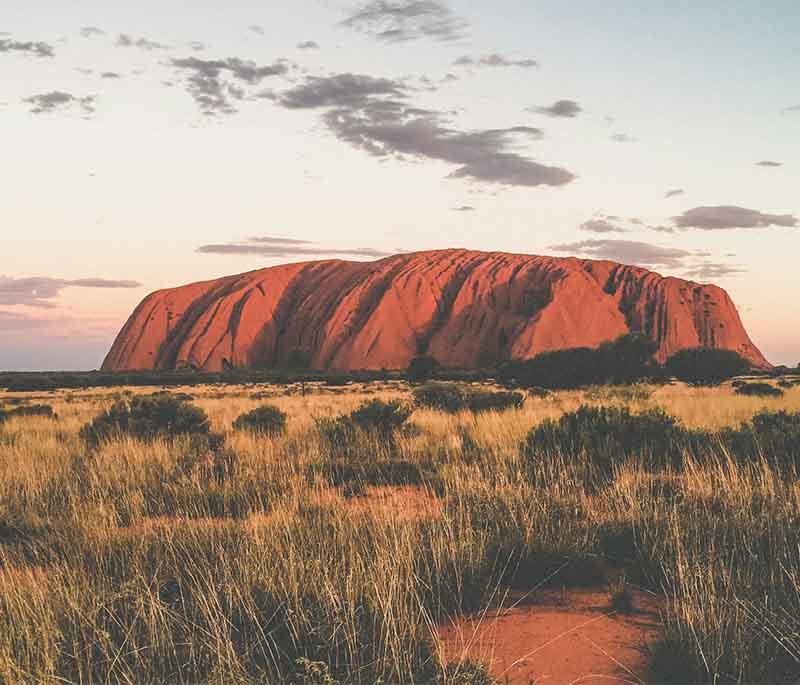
{"points": [[712, 270], [126, 41], [675, 192], [494, 60], [35, 48], [287, 248], [662, 229], [565, 109], [57, 99], [255, 28], [623, 138], [769, 163], [90, 31], [308, 45], [197, 46], [40, 291], [216, 84], [341, 90], [729, 216], [629, 252], [464, 208], [372, 115], [601, 226], [403, 20]]}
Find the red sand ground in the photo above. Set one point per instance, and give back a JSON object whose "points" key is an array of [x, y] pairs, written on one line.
{"points": [[560, 638], [466, 308]]}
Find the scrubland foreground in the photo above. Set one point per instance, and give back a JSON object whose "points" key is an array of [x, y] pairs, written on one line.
{"points": [[322, 552]]}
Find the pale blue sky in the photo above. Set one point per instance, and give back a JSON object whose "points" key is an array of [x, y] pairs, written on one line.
{"points": [[703, 91]]}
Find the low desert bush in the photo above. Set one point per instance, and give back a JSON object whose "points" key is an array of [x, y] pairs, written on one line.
{"points": [[606, 436], [759, 390], [774, 436], [264, 420], [373, 426], [33, 410], [450, 397], [147, 417]]}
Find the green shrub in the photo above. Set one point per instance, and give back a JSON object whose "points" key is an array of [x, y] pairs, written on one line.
{"points": [[450, 397], [421, 368], [33, 410], [702, 366], [264, 420], [604, 436], [147, 417], [773, 435], [759, 390], [376, 420]]}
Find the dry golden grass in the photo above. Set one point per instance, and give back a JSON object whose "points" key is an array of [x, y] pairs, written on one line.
{"points": [[131, 565]]}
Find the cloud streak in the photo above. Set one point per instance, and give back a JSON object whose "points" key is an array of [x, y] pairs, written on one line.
{"points": [[629, 252], [287, 248], [39, 291], [126, 41], [730, 216], [495, 60], [769, 163], [674, 193], [394, 21]]}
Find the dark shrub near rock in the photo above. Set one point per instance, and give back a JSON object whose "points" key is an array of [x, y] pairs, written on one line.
{"points": [[450, 397], [34, 410], [147, 417], [759, 390], [701, 366], [265, 420]]}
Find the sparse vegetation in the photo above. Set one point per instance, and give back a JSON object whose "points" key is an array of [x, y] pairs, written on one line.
{"points": [[264, 420], [452, 397], [147, 418], [133, 562], [759, 390]]}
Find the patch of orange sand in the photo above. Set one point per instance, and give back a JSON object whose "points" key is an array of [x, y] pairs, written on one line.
{"points": [[560, 638]]}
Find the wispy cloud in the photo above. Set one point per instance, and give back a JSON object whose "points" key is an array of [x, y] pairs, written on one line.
{"points": [[35, 48], [624, 138], [630, 252], [91, 31], [494, 59], [126, 41], [216, 84], [57, 99], [731, 216], [40, 291], [675, 192], [287, 248], [712, 271], [403, 20], [255, 28], [769, 163], [371, 114], [464, 208], [308, 45], [563, 109], [601, 226]]}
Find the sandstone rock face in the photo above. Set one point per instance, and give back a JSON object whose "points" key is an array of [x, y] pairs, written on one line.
{"points": [[465, 308]]}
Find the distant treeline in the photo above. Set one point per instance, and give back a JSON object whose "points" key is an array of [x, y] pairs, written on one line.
{"points": [[629, 359]]}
